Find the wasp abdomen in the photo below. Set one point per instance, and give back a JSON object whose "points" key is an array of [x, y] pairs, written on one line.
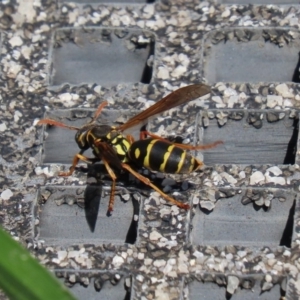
{"points": [[158, 155]]}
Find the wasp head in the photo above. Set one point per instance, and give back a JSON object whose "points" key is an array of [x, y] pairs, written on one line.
{"points": [[81, 136]]}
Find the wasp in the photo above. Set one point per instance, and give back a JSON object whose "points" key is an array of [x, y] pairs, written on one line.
{"points": [[120, 152]]}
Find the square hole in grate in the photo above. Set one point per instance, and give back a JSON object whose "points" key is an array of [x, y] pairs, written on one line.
{"points": [[250, 137], [250, 288], [246, 217], [252, 55], [105, 56], [103, 285], [262, 2], [72, 215], [111, 1]]}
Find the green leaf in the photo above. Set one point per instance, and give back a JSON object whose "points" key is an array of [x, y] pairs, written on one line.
{"points": [[23, 278]]}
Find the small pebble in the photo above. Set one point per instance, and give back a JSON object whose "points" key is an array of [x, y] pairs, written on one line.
{"points": [[6, 194]]}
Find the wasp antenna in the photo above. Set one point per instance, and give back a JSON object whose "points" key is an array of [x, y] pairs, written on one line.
{"points": [[55, 123], [98, 111]]}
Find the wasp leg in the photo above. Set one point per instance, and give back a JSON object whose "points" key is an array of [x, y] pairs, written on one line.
{"points": [[111, 173], [144, 134], [199, 147], [113, 186], [76, 159], [130, 138], [149, 183]]}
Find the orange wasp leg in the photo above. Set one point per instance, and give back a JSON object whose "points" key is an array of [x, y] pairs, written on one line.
{"points": [[76, 159], [144, 134], [149, 183], [113, 186], [111, 173], [130, 138]]}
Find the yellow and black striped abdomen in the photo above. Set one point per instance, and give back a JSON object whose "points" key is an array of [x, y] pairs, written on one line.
{"points": [[158, 155]]}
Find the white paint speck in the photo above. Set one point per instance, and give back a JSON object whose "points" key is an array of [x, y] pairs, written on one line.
{"points": [[257, 177], [15, 41], [117, 261], [6, 194], [3, 127], [154, 236]]}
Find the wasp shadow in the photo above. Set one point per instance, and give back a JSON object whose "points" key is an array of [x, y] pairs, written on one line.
{"points": [[98, 184], [290, 156], [296, 74], [92, 198], [286, 239]]}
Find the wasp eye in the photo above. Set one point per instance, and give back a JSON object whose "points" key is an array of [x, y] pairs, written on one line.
{"points": [[81, 141]]}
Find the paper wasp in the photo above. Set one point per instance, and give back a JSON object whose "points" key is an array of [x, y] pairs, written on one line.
{"points": [[155, 153]]}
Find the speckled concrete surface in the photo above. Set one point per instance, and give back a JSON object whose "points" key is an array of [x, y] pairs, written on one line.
{"points": [[161, 256]]}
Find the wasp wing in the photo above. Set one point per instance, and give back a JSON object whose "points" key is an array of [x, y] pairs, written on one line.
{"points": [[176, 98], [107, 153]]}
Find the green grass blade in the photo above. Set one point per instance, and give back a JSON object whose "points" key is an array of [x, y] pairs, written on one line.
{"points": [[23, 278]]}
